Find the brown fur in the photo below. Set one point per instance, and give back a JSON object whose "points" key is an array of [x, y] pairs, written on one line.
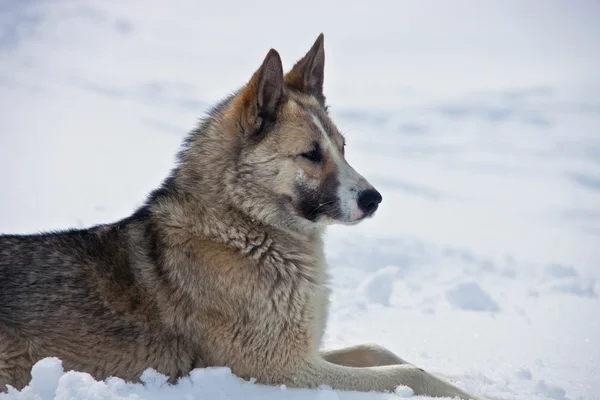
{"points": [[223, 266]]}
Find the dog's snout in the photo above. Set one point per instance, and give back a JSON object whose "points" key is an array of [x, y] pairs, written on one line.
{"points": [[368, 200]]}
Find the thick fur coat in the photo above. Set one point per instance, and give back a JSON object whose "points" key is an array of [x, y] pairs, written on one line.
{"points": [[223, 266]]}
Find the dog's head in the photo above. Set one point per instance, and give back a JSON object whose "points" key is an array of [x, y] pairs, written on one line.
{"points": [[288, 165]]}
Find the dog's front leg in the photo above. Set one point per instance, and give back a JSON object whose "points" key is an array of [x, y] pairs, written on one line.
{"points": [[382, 378], [362, 355]]}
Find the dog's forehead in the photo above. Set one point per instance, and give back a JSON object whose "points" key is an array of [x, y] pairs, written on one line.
{"points": [[310, 116]]}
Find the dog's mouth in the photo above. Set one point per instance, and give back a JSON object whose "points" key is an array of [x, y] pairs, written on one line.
{"points": [[335, 210], [351, 218], [370, 213]]}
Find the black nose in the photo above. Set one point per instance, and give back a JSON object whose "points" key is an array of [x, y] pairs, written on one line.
{"points": [[368, 201]]}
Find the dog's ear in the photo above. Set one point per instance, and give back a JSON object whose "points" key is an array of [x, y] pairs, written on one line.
{"points": [[261, 97], [307, 75]]}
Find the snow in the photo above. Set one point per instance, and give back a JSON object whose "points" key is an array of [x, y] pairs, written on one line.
{"points": [[49, 381], [470, 296], [379, 286], [404, 391], [478, 122]]}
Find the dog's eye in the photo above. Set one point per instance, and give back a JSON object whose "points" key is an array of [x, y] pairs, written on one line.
{"points": [[314, 155]]}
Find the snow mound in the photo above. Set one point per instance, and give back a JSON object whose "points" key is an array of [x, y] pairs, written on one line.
{"points": [[404, 391], [470, 296], [378, 287], [50, 382], [560, 271], [562, 279], [552, 391], [524, 374]]}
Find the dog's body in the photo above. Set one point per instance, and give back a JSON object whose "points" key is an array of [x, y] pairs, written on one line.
{"points": [[223, 266]]}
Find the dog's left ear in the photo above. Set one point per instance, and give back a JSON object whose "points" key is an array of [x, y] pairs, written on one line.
{"points": [[261, 97], [307, 75]]}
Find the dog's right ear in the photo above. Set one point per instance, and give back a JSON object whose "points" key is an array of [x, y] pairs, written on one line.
{"points": [[261, 97]]}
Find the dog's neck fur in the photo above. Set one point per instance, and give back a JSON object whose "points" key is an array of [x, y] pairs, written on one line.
{"points": [[193, 220], [225, 225]]}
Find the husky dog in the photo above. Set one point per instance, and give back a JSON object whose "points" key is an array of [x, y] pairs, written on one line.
{"points": [[222, 266]]}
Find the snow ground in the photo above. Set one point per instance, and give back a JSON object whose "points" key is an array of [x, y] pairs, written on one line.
{"points": [[478, 121]]}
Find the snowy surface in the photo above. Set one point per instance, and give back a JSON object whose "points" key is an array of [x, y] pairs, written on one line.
{"points": [[478, 121]]}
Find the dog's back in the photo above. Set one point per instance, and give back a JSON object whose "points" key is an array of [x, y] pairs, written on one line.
{"points": [[44, 275], [77, 292]]}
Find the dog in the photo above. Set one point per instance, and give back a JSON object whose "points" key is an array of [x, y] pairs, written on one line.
{"points": [[223, 265]]}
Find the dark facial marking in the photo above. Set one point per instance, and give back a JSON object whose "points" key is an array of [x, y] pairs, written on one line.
{"points": [[319, 202]]}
